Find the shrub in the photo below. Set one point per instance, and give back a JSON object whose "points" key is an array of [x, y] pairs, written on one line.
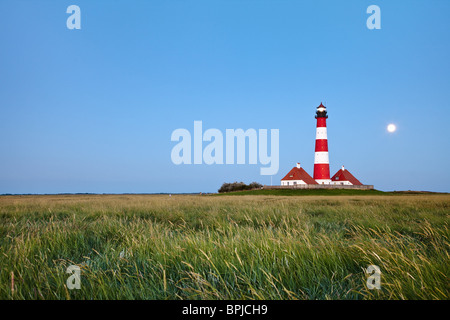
{"points": [[238, 186]]}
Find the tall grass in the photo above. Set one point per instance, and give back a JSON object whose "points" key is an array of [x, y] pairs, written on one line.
{"points": [[228, 247]]}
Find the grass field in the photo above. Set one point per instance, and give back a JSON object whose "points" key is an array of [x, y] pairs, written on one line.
{"points": [[224, 247]]}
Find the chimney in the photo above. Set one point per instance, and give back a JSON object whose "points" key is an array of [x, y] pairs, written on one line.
{"points": [[343, 168], [298, 165]]}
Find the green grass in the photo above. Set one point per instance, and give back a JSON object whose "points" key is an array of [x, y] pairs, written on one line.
{"points": [[227, 247], [307, 192], [324, 192]]}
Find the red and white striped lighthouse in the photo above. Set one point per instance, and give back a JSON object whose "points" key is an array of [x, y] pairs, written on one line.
{"points": [[321, 160]]}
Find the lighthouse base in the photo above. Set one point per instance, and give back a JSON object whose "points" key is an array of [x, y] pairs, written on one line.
{"points": [[323, 181]]}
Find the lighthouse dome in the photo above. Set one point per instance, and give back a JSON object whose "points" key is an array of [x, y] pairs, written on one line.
{"points": [[321, 111]]}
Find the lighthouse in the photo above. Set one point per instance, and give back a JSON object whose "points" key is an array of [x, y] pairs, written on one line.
{"points": [[321, 160], [298, 178]]}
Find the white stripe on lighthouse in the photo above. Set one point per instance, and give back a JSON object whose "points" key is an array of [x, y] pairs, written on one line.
{"points": [[321, 133], [321, 157]]}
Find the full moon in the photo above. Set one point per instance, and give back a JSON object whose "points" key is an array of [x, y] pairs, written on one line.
{"points": [[391, 128]]}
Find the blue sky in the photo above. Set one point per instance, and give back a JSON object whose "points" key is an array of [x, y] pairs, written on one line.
{"points": [[92, 110]]}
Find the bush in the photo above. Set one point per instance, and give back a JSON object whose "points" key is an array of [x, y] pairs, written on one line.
{"points": [[239, 186], [255, 185]]}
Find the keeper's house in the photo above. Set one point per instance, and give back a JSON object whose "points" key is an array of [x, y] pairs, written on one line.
{"points": [[297, 176], [345, 178]]}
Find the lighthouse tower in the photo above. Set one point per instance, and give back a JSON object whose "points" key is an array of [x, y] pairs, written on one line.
{"points": [[321, 160]]}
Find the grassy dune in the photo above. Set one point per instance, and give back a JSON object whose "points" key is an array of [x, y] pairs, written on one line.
{"points": [[227, 247]]}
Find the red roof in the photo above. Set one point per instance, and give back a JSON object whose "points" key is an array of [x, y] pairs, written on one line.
{"points": [[345, 175], [299, 174]]}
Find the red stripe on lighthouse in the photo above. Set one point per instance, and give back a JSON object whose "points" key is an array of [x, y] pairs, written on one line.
{"points": [[321, 171], [321, 122], [321, 145]]}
